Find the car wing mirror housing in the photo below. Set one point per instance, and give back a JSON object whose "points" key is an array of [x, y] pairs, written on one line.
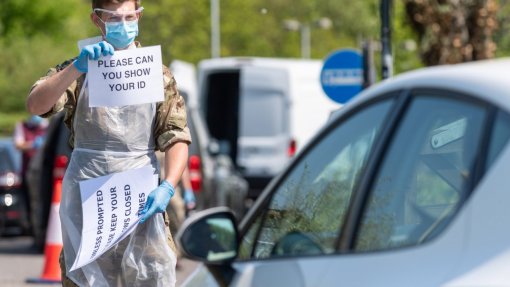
{"points": [[218, 147], [210, 236], [213, 148]]}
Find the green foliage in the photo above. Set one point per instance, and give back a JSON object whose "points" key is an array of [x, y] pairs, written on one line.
{"points": [[502, 35], [8, 121], [34, 17], [181, 27], [405, 42], [254, 27], [34, 36], [38, 34]]}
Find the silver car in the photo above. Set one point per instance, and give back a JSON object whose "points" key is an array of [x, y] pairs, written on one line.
{"points": [[406, 186]]}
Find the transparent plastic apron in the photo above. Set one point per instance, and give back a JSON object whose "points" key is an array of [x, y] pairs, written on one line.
{"points": [[109, 140]]}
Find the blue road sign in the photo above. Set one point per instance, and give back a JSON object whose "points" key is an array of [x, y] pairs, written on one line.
{"points": [[342, 75]]}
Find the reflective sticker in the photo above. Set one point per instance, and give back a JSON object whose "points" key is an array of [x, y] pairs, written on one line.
{"points": [[448, 133]]}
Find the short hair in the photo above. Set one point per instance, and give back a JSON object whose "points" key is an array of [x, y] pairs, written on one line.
{"points": [[101, 3]]}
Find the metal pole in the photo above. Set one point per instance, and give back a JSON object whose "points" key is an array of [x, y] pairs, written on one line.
{"points": [[215, 28], [369, 72], [305, 41], [387, 58]]}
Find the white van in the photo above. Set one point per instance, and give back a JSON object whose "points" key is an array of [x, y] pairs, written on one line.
{"points": [[263, 110]]}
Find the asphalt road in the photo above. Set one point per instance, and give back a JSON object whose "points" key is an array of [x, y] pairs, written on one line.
{"points": [[18, 262]]}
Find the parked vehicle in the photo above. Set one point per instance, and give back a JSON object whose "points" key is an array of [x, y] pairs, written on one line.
{"points": [[405, 186], [45, 174], [13, 210], [263, 110]]}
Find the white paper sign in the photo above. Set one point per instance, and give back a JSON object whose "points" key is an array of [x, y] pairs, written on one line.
{"points": [[129, 77], [111, 209]]}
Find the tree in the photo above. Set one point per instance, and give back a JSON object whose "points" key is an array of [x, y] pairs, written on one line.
{"points": [[453, 31], [254, 27], [36, 35]]}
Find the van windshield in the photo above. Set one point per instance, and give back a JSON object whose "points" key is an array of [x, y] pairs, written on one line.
{"points": [[264, 114]]}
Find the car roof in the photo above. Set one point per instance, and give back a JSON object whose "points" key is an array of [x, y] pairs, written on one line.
{"points": [[487, 80]]}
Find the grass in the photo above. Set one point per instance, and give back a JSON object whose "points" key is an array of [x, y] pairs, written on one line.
{"points": [[8, 122]]}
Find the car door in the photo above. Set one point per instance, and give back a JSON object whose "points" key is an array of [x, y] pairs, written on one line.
{"points": [[373, 209], [308, 207], [264, 135]]}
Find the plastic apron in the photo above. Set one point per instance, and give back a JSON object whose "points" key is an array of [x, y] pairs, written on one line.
{"points": [[109, 140]]}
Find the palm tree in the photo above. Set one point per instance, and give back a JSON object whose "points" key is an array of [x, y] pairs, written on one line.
{"points": [[453, 31]]}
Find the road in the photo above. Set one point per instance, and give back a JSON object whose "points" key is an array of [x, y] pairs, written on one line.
{"points": [[18, 262]]}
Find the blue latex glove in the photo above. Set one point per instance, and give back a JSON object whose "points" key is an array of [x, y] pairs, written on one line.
{"points": [[38, 142], [157, 200], [92, 52], [189, 199]]}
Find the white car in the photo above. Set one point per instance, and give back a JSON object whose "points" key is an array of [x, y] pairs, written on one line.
{"points": [[408, 185]]}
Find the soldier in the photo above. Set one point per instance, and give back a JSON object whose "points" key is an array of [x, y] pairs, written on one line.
{"points": [[109, 140]]}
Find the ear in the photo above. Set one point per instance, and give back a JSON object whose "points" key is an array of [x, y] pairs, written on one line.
{"points": [[97, 22]]}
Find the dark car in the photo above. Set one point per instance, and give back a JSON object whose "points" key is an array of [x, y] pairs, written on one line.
{"points": [[13, 210], [45, 173]]}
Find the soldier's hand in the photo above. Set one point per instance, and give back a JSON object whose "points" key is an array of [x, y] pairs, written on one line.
{"points": [[157, 200], [92, 52]]}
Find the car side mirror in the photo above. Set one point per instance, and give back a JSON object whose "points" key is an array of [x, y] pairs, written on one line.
{"points": [[210, 236], [217, 147], [213, 148]]}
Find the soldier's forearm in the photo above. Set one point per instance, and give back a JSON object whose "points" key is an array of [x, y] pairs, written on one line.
{"points": [[42, 98], [176, 157]]}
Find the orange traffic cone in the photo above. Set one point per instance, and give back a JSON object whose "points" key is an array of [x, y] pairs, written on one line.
{"points": [[51, 271]]}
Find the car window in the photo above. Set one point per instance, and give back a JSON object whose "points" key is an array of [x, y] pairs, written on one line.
{"points": [[425, 175], [271, 122], [307, 210]]}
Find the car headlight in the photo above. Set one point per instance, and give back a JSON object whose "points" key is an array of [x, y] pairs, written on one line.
{"points": [[10, 179], [6, 199]]}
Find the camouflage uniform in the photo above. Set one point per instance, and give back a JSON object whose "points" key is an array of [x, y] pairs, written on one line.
{"points": [[170, 127]]}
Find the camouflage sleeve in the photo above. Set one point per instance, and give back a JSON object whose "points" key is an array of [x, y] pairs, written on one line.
{"points": [[67, 98], [171, 122]]}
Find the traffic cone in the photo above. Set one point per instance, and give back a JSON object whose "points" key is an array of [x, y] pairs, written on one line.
{"points": [[51, 272]]}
